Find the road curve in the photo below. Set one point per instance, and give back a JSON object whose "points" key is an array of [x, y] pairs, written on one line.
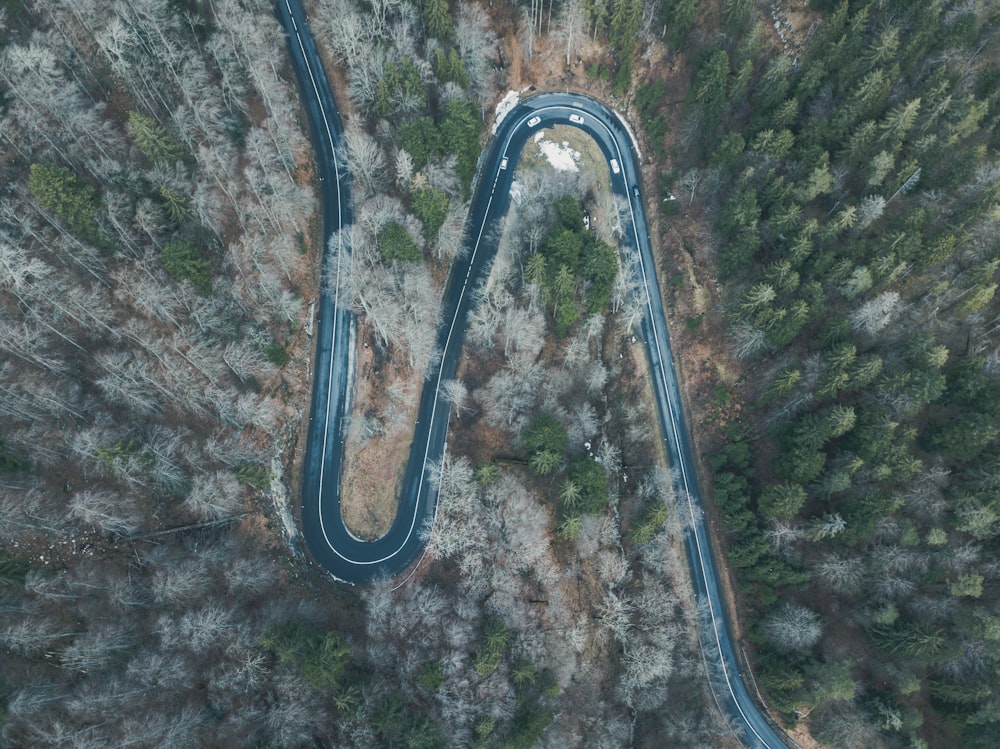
{"points": [[355, 561]]}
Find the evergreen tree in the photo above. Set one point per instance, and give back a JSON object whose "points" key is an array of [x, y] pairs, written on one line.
{"points": [[431, 207], [437, 20], [678, 18], [154, 140], [782, 500], [185, 262], [69, 198]]}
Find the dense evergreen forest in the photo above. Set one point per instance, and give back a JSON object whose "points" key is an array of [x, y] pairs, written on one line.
{"points": [[832, 167], [854, 195]]}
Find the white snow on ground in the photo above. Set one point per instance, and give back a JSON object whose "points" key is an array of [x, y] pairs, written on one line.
{"points": [[516, 193], [280, 497], [507, 103], [559, 155], [628, 129]]}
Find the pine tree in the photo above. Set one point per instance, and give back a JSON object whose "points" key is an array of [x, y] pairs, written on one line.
{"points": [[437, 20], [154, 140], [782, 500]]}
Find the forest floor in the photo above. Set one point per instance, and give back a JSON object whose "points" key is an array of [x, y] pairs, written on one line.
{"points": [[374, 464]]}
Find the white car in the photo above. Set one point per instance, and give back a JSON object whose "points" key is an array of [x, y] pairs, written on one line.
{"points": [[503, 163], [615, 169], [534, 121], [576, 119]]}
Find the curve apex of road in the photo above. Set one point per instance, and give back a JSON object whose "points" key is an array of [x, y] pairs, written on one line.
{"points": [[352, 560]]}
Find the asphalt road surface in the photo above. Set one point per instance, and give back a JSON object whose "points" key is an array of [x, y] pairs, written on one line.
{"points": [[352, 560]]}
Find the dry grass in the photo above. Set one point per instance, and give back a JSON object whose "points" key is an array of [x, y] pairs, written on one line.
{"points": [[370, 488], [373, 467]]}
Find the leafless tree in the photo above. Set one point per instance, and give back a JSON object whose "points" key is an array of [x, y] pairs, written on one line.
{"points": [[105, 511], [247, 361], [456, 394], [748, 340], [214, 496], [875, 314], [571, 27], [96, 650], [180, 583], [871, 210], [793, 627], [404, 169], [509, 395], [441, 175], [451, 234], [456, 531], [477, 46], [842, 574], [365, 160], [842, 724]]}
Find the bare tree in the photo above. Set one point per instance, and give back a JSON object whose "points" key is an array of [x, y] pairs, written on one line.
{"points": [[105, 511], [456, 394], [875, 314], [456, 531], [792, 628], [843, 725], [404, 169], [871, 210], [180, 583], [571, 27], [365, 160], [214, 496], [510, 394], [748, 340], [247, 361], [448, 244], [842, 574], [97, 650], [477, 46]]}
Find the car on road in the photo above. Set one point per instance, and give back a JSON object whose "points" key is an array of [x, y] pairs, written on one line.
{"points": [[503, 163], [635, 191], [615, 169], [575, 118], [534, 121]]}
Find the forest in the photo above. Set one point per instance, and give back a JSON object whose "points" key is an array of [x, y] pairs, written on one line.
{"points": [[160, 259], [824, 186], [852, 193]]}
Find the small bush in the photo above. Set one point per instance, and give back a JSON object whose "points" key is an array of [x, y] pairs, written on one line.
{"points": [[276, 353]]}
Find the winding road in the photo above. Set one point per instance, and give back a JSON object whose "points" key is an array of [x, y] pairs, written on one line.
{"points": [[353, 560]]}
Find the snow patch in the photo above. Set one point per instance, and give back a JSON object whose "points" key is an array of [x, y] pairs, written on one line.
{"points": [[516, 193], [631, 135], [281, 504], [559, 155], [507, 103]]}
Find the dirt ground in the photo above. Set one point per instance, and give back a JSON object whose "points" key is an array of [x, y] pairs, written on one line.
{"points": [[373, 467]]}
